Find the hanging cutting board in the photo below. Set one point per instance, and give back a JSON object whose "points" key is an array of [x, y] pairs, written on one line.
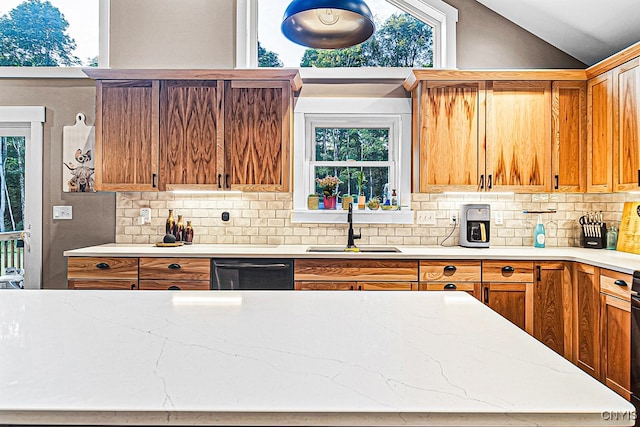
{"points": [[629, 233], [78, 147]]}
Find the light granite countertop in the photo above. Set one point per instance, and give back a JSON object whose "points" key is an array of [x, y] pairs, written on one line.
{"points": [[283, 358], [619, 261]]}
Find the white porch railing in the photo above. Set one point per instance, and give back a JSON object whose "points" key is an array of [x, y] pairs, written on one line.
{"points": [[11, 251]]}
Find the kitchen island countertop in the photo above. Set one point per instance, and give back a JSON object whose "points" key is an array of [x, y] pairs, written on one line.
{"points": [[619, 261], [283, 358]]}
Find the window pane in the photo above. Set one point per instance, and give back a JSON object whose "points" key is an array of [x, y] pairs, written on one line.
{"points": [[376, 178], [358, 144]]}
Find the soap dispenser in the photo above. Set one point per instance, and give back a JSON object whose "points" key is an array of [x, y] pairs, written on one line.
{"points": [[539, 234]]}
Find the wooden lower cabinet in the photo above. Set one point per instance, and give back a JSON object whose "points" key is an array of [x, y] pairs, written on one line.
{"points": [[510, 300], [108, 273], [172, 285], [615, 331], [350, 274], [472, 289], [552, 306], [175, 274], [586, 319], [451, 275]]}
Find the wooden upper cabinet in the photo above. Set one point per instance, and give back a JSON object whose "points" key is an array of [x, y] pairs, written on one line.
{"points": [[126, 155], [451, 141], [626, 127], [258, 120], [600, 134], [191, 134], [569, 131], [519, 135]]}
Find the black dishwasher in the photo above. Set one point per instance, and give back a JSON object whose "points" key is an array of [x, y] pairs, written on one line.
{"points": [[635, 344], [248, 274]]}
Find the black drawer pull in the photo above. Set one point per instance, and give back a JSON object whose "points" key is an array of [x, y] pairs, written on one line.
{"points": [[173, 288], [508, 269], [450, 286], [174, 266], [620, 283], [133, 286], [102, 266], [450, 269]]}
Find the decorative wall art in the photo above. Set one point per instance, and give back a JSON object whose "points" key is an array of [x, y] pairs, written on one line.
{"points": [[78, 143]]}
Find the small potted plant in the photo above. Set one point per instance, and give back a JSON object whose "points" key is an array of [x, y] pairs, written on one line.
{"points": [[361, 181], [374, 203], [346, 199], [329, 185]]}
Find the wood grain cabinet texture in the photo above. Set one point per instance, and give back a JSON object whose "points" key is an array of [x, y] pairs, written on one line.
{"points": [[586, 303], [552, 306], [175, 273], [334, 274], [615, 331], [600, 134], [626, 126], [569, 133], [452, 275], [102, 273], [127, 143], [507, 288]]}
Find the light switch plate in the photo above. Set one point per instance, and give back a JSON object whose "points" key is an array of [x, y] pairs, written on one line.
{"points": [[63, 212], [499, 218], [426, 217]]}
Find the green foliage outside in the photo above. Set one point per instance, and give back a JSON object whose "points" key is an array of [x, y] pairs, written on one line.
{"points": [[267, 58], [353, 144], [33, 34], [402, 41], [12, 151]]}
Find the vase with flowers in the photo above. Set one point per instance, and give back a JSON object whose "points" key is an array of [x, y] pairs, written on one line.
{"points": [[329, 186]]}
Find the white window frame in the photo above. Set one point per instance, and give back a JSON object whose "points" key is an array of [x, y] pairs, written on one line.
{"points": [[352, 112], [29, 122], [441, 16]]}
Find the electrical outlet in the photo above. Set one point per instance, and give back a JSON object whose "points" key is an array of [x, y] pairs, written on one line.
{"points": [[63, 212], [499, 218], [453, 217], [426, 217], [145, 215]]}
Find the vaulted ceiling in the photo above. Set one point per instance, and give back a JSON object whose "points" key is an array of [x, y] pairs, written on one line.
{"points": [[588, 30]]}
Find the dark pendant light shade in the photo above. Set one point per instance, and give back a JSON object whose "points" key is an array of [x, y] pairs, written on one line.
{"points": [[327, 24]]}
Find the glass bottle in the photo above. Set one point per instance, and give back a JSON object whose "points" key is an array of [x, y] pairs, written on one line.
{"points": [[612, 238], [394, 198], [179, 229], [188, 233], [171, 223]]}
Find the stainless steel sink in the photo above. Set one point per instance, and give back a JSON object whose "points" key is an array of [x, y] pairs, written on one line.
{"points": [[361, 249]]}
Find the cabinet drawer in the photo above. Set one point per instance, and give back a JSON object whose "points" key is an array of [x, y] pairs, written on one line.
{"points": [[102, 268], [356, 270], [450, 286], [172, 285], [616, 284], [387, 286], [175, 268], [450, 271], [324, 286], [507, 271], [103, 284]]}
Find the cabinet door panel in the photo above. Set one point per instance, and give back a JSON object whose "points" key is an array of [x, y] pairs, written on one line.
{"points": [[175, 268], [451, 135], [616, 344], [509, 300], [552, 307], [587, 320], [519, 135], [103, 285], [569, 113], [324, 286], [257, 129], [600, 134], [626, 130], [190, 131], [126, 135]]}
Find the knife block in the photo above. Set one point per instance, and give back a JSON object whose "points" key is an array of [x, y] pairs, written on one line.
{"points": [[595, 242]]}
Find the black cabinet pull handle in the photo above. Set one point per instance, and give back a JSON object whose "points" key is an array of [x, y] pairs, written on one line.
{"points": [[219, 180], [173, 288], [482, 182], [486, 295], [226, 181], [638, 177], [153, 180], [133, 286], [539, 273], [508, 269], [174, 266], [450, 286], [557, 185], [490, 184], [102, 265], [450, 269], [620, 283]]}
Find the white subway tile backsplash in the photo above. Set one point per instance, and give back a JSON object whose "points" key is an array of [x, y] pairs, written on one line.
{"points": [[265, 218]]}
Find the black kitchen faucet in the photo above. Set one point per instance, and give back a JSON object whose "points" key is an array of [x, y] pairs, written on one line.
{"points": [[351, 235]]}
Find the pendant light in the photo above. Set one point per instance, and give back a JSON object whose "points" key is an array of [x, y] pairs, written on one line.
{"points": [[328, 24]]}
